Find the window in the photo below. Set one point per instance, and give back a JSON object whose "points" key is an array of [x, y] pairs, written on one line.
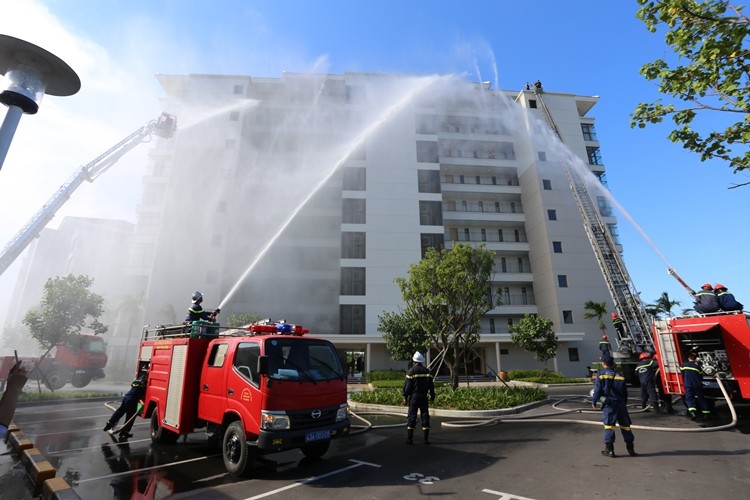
{"points": [[353, 245], [568, 317], [547, 184], [497, 207], [573, 354], [355, 179], [427, 152], [594, 156], [353, 281], [552, 214], [503, 264], [218, 355], [352, 319], [517, 235], [429, 181], [492, 325], [484, 234], [234, 116], [246, 361], [500, 235], [504, 351], [589, 134], [427, 240], [542, 156], [466, 234], [532, 103], [239, 89], [353, 211], [562, 280], [604, 209], [430, 213], [461, 179], [557, 246]]}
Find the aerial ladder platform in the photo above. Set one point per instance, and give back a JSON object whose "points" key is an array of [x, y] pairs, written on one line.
{"points": [[636, 337], [164, 126]]}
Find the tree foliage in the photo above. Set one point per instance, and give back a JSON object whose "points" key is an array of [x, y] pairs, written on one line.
{"points": [[710, 40], [241, 319], [66, 308], [536, 335], [446, 293], [595, 310], [663, 305], [402, 336]]}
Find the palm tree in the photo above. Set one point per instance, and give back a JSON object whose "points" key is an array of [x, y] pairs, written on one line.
{"points": [[664, 304], [596, 310]]}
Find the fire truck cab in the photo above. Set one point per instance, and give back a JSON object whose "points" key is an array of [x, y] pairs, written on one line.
{"points": [[722, 343], [256, 390]]}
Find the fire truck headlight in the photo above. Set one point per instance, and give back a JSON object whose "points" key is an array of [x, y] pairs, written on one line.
{"points": [[342, 413], [274, 420]]}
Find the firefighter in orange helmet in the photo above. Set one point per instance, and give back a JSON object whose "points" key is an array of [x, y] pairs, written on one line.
{"points": [[706, 300], [619, 325], [646, 371], [605, 347]]}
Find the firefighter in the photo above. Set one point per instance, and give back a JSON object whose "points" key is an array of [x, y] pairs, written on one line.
{"points": [[619, 325], [128, 407], [196, 311], [611, 391], [692, 380], [604, 346], [706, 300], [727, 302], [646, 371], [417, 385]]}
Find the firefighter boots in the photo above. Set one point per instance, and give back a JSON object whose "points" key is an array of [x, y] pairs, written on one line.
{"points": [[426, 436], [409, 436], [108, 426], [609, 450], [631, 449]]}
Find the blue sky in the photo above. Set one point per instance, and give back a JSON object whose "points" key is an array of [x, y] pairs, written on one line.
{"points": [[586, 47]]}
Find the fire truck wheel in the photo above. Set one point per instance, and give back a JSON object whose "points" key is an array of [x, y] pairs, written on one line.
{"points": [[316, 450], [238, 456], [159, 434], [55, 378], [80, 380]]}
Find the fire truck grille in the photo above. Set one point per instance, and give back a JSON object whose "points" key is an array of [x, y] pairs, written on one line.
{"points": [[314, 417]]}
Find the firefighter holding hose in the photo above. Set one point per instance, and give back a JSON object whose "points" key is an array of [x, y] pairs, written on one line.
{"points": [[417, 386], [196, 311]]}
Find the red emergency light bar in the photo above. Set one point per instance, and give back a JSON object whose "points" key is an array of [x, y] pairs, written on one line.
{"points": [[278, 328]]}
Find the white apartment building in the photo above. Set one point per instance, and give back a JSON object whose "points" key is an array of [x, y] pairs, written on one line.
{"points": [[364, 172]]}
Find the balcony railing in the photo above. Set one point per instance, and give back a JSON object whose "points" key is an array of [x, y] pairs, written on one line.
{"points": [[483, 181], [488, 208]]}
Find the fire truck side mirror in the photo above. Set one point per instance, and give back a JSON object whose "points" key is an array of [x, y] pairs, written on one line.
{"points": [[263, 365]]}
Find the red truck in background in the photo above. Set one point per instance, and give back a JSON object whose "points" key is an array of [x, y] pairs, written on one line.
{"points": [[722, 341], [77, 360], [256, 390]]}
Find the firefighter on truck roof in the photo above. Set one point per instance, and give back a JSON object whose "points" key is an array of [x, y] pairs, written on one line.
{"points": [[196, 311]]}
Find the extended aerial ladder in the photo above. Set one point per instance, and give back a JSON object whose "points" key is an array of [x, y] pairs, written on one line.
{"points": [[164, 126], [637, 336]]}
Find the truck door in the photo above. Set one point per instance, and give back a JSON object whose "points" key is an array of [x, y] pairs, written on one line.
{"points": [[243, 384], [213, 384]]}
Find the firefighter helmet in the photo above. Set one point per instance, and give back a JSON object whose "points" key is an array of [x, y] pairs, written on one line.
{"points": [[707, 286], [418, 357], [644, 355], [614, 315], [719, 286], [197, 296], [604, 337]]}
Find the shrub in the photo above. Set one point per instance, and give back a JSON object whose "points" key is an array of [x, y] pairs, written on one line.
{"points": [[463, 398], [385, 375]]}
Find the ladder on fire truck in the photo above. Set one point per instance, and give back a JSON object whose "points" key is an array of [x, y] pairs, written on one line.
{"points": [[637, 337], [164, 126]]}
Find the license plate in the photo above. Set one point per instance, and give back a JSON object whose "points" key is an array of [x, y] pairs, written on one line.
{"points": [[317, 436], [710, 384]]}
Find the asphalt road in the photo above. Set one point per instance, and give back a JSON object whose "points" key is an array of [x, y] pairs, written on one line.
{"points": [[550, 457]]}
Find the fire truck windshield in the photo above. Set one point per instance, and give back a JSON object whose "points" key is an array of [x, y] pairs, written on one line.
{"points": [[293, 358]]}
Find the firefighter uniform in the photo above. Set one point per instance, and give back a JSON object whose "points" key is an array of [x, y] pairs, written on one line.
{"points": [[610, 386], [196, 312], [128, 407], [646, 371], [692, 380], [417, 386], [604, 346]]}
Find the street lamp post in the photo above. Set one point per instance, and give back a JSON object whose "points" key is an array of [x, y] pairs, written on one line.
{"points": [[30, 72]]}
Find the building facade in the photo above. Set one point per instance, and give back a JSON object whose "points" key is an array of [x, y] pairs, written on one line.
{"points": [[303, 197]]}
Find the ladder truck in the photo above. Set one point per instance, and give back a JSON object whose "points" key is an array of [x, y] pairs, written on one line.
{"points": [[636, 337], [164, 126]]}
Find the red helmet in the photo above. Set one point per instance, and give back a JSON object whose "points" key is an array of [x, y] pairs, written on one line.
{"points": [[706, 285], [719, 286], [644, 355], [604, 337], [614, 315]]}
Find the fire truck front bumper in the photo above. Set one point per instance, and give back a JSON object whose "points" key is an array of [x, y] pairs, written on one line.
{"points": [[278, 440]]}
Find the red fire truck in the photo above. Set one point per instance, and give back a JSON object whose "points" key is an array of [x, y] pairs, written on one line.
{"points": [[722, 343], [260, 389]]}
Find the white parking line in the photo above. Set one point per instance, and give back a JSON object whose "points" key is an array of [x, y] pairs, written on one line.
{"points": [[505, 496], [143, 469], [357, 463]]}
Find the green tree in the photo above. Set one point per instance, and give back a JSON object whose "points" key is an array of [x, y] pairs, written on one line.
{"points": [[402, 336], [242, 319], [446, 293], [67, 307], [710, 73], [536, 335], [663, 304], [166, 315], [596, 310]]}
